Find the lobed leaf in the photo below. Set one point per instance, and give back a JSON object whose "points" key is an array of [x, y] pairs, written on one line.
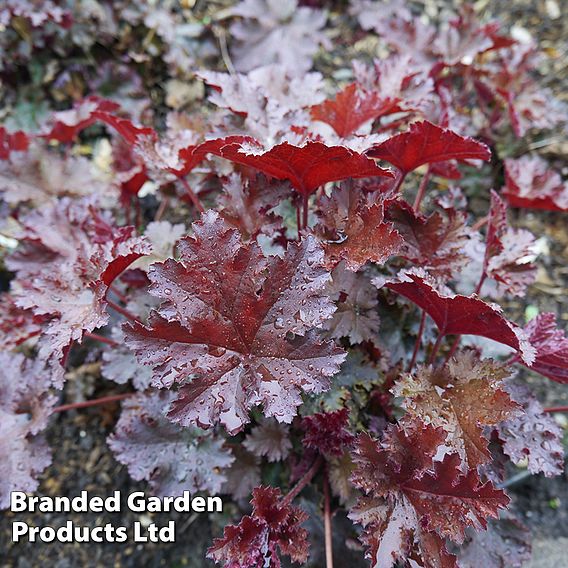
{"points": [[426, 143], [551, 347], [307, 167], [434, 242], [25, 407], [236, 329], [269, 439], [532, 435], [455, 314], [356, 316], [328, 432], [189, 459], [508, 251], [273, 529], [462, 398], [413, 502], [352, 108], [531, 184], [69, 254]]}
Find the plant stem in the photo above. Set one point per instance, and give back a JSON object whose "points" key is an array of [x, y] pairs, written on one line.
{"points": [[327, 523], [101, 338], [480, 223], [480, 283], [422, 189], [118, 294], [192, 195], [298, 219], [94, 402], [305, 211], [418, 341], [138, 212], [556, 409], [398, 182], [435, 349], [453, 348], [122, 311], [304, 480], [162, 208]]}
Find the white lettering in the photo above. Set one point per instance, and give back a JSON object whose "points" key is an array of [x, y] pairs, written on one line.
{"points": [[136, 502], [18, 501], [198, 504], [138, 537], [112, 504], [19, 529], [214, 504]]}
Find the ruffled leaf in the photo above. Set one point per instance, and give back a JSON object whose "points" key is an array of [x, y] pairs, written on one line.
{"points": [[461, 397], [189, 459], [239, 325], [273, 529], [532, 435], [530, 183]]}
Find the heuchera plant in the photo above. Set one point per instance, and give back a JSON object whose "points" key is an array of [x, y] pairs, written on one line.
{"points": [[297, 301]]}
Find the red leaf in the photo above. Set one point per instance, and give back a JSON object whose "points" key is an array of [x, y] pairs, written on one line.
{"points": [[16, 324], [410, 494], [189, 459], [327, 432], [531, 184], [25, 406], [191, 156], [427, 143], [434, 243], [551, 347], [401, 454], [242, 324], [125, 127], [272, 530], [352, 108], [533, 435], [14, 142], [448, 170], [68, 256], [507, 250], [247, 204], [68, 123], [170, 154], [306, 167], [461, 315], [448, 501], [367, 238], [439, 397], [130, 171], [392, 532]]}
